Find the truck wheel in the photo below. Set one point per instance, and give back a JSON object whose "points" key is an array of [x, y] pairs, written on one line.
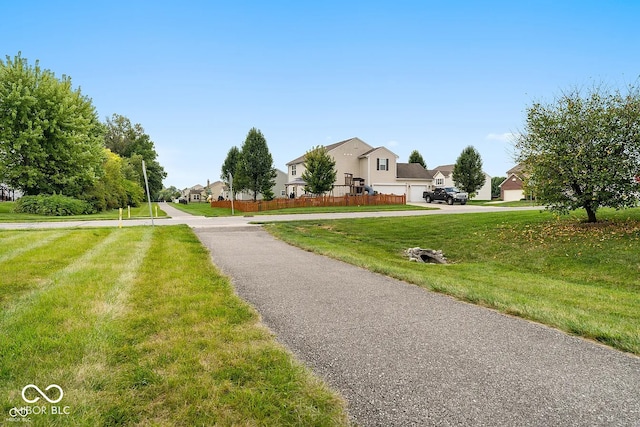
{"points": [[428, 199], [450, 201], [463, 203]]}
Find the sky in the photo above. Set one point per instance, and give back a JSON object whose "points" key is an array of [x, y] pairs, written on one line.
{"points": [[432, 76]]}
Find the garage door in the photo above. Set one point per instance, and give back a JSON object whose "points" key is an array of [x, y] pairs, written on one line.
{"points": [[415, 193], [513, 195]]}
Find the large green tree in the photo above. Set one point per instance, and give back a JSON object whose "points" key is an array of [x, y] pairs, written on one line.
{"points": [[50, 134], [583, 150], [256, 165], [319, 170], [467, 172], [130, 141], [416, 157]]}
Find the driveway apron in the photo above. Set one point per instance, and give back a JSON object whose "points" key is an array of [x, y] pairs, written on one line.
{"points": [[403, 356]]}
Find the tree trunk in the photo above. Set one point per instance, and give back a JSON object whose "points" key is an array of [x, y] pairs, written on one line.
{"points": [[591, 213]]}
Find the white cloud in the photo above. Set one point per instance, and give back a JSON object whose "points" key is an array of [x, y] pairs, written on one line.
{"points": [[502, 137], [392, 144]]}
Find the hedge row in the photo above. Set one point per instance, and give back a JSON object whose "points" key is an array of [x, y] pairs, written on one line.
{"points": [[54, 205]]}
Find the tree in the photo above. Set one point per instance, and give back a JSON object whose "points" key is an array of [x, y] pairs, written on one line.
{"points": [[256, 164], [169, 193], [416, 157], [231, 166], [319, 170], [495, 185], [583, 151], [50, 134], [131, 141], [113, 190], [467, 172]]}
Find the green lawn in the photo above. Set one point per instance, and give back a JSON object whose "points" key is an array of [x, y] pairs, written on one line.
{"points": [[139, 328], [204, 209], [7, 214], [581, 278]]}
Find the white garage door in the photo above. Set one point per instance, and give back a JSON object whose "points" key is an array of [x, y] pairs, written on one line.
{"points": [[513, 195], [415, 193]]}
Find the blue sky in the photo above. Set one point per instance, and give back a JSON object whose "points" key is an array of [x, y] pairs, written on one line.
{"points": [[431, 76]]}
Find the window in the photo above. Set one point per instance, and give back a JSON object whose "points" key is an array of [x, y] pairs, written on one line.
{"points": [[382, 164], [439, 181], [293, 170]]}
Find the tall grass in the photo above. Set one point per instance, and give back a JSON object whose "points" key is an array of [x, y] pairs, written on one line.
{"points": [[138, 327]]}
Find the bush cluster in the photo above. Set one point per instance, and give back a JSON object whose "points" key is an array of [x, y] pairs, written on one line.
{"points": [[53, 205]]}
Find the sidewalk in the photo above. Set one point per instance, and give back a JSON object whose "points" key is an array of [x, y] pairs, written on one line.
{"points": [[405, 356]]}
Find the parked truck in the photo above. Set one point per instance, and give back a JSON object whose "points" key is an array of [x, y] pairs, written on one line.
{"points": [[446, 194]]}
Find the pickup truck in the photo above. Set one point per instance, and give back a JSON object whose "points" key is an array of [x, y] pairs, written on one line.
{"points": [[446, 194]]}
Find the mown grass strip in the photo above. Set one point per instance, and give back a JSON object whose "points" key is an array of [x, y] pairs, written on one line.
{"points": [[137, 212], [138, 327], [581, 278]]}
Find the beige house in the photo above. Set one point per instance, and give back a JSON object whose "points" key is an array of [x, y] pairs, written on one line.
{"points": [[359, 168], [278, 189]]}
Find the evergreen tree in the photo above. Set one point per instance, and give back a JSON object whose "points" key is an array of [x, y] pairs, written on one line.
{"points": [[416, 157], [256, 171]]}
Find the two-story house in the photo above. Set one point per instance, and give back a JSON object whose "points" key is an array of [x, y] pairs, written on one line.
{"points": [[359, 168]]}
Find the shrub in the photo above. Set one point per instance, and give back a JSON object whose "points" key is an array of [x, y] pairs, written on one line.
{"points": [[53, 205]]}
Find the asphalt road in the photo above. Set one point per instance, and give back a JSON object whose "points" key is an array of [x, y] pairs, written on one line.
{"points": [[404, 356]]}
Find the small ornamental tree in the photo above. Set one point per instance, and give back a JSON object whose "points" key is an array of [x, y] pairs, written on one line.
{"points": [[467, 172], [416, 157], [320, 170], [583, 151]]}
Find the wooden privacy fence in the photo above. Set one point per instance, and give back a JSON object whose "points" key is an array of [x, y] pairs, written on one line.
{"points": [[302, 202]]}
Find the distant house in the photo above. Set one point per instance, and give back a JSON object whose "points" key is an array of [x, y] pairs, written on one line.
{"points": [[511, 189], [198, 193], [278, 189], [443, 177], [194, 194]]}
